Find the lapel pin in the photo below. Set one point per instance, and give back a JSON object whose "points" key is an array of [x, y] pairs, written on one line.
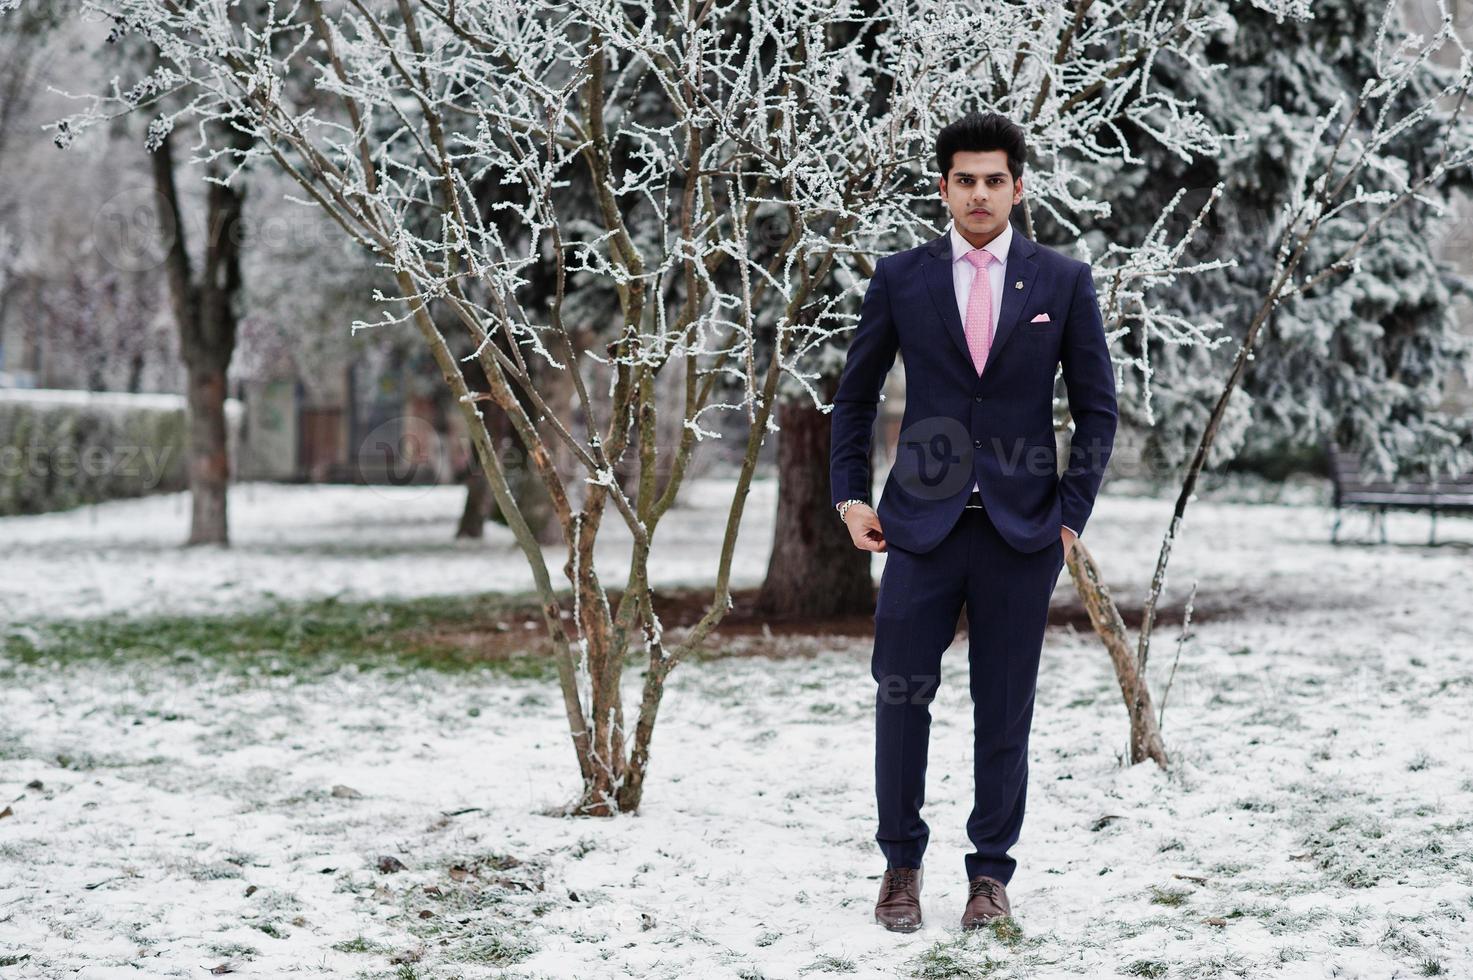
{"points": [[1018, 284]]}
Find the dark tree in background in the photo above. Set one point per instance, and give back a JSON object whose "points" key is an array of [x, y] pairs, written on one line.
{"points": [[203, 300], [1365, 360], [814, 569]]}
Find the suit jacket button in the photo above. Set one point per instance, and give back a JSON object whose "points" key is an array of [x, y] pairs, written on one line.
{"points": [[977, 398], [976, 443]]}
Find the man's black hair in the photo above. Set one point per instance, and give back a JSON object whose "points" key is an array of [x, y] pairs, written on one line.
{"points": [[980, 132]]}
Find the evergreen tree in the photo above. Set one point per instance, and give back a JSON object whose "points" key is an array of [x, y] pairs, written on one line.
{"points": [[1361, 359]]}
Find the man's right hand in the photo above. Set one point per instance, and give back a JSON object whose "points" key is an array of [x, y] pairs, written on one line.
{"points": [[864, 527]]}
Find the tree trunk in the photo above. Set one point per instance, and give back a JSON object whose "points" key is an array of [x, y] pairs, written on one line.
{"points": [[477, 505], [1104, 616], [204, 312], [527, 488], [209, 457], [814, 570]]}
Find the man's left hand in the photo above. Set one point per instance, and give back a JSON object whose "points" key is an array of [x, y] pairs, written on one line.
{"points": [[1068, 537]]}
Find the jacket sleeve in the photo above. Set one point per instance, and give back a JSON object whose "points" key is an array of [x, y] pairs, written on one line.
{"points": [[1089, 379], [851, 423]]}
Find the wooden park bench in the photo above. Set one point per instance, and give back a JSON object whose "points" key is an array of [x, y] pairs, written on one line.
{"points": [[1447, 495]]}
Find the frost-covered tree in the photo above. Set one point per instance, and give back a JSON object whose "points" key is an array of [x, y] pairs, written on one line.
{"points": [[1362, 360], [770, 125], [192, 248], [1374, 159], [740, 172]]}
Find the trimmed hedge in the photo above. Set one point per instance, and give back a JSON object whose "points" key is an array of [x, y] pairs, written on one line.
{"points": [[61, 449]]}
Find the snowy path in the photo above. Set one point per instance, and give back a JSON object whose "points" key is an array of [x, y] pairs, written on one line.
{"points": [[186, 818]]}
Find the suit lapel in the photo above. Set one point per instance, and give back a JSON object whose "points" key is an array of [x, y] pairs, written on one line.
{"points": [[1020, 268], [943, 292]]}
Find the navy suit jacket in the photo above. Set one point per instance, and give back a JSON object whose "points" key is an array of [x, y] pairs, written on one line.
{"points": [[995, 429]]}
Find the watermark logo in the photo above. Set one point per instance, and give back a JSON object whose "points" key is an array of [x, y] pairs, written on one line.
{"points": [[403, 452], [134, 230], [933, 458]]}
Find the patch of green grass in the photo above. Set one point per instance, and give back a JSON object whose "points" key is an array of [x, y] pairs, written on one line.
{"points": [[1220, 965], [1348, 849], [1169, 896], [1004, 929], [1146, 968], [208, 871], [88, 761], [1290, 954], [499, 948], [954, 959], [1286, 923], [302, 639], [830, 964], [360, 944]]}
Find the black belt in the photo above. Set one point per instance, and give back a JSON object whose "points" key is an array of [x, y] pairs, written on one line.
{"points": [[974, 502]]}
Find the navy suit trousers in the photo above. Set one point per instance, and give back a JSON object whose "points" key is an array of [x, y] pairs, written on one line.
{"points": [[1006, 593]]}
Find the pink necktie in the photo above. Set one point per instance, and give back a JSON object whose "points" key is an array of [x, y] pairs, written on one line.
{"points": [[978, 327]]}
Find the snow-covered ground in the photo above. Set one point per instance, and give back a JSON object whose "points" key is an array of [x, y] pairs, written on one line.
{"points": [[1316, 822], [123, 558]]}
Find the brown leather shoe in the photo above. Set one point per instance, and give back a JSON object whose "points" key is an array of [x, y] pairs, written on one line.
{"points": [[899, 907], [987, 898]]}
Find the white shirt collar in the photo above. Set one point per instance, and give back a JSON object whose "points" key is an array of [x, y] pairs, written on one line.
{"points": [[998, 246]]}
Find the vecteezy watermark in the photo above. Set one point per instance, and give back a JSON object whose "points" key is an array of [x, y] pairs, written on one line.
{"points": [[404, 451], [407, 451], [147, 464], [134, 230], [907, 688], [937, 458], [933, 458]]}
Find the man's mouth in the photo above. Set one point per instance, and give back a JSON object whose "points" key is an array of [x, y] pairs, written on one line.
{"points": [[980, 211]]}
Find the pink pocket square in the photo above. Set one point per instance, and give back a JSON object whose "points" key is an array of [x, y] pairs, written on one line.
{"points": [[1041, 318]]}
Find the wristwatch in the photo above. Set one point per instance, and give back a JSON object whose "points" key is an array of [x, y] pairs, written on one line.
{"points": [[843, 507]]}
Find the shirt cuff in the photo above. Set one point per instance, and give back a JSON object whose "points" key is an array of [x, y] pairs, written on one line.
{"points": [[1076, 533]]}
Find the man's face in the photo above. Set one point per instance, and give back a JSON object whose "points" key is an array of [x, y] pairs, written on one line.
{"points": [[980, 191]]}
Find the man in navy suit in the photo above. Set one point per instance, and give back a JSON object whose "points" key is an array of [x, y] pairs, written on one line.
{"points": [[974, 511]]}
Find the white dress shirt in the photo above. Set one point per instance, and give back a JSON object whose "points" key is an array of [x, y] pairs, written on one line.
{"points": [[963, 272]]}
